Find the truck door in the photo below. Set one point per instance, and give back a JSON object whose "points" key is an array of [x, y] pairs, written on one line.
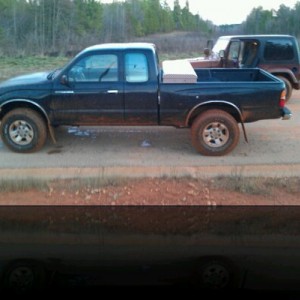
{"points": [[141, 89], [249, 55], [90, 92], [233, 54]]}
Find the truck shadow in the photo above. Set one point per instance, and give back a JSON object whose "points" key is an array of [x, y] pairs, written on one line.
{"points": [[82, 249]]}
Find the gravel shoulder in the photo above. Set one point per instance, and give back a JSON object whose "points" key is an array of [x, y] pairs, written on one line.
{"points": [[163, 192]]}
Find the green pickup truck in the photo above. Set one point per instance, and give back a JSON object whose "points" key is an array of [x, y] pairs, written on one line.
{"points": [[123, 84]]}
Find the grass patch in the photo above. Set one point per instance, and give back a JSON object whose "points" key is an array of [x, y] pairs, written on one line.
{"points": [[289, 185], [258, 185], [22, 185], [171, 56], [244, 185], [13, 66], [91, 183], [70, 185]]}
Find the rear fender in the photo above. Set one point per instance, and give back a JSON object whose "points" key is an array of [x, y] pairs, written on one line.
{"points": [[213, 104]]}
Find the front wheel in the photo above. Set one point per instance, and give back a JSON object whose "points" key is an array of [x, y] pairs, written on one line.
{"points": [[23, 130], [23, 277], [215, 133]]}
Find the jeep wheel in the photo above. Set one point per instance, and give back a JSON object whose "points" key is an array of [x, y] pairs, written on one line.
{"points": [[23, 130], [215, 133]]}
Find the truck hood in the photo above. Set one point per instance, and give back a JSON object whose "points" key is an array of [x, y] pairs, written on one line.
{"points": [[29, 81]]}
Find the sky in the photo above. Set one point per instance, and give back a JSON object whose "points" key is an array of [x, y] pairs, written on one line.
{"points": [[228, 11]]}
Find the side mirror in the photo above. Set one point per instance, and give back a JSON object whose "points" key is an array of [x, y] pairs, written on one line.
{"points": [[206, 52], [222, 54], [64, 80]]}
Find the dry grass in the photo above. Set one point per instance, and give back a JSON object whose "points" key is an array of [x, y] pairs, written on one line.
{"points": [[237, 183], [258, 185]]}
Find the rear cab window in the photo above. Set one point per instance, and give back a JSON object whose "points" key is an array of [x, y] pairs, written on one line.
{"points": [[136, 68]]}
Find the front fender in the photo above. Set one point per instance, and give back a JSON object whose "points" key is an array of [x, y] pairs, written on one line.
{"points": [[28, 103]]}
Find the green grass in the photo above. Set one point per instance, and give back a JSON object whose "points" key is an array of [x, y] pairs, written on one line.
{"points": [[14, 66]]}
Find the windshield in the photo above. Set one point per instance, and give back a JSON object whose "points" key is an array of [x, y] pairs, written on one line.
{"points": [[221, 44]]}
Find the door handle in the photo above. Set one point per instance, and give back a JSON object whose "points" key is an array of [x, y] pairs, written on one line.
{"points": [[112, 92]]}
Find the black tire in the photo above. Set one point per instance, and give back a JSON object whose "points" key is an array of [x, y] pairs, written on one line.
{"points": [[288, 88], [215, 133], [24, 277], [217, 274], [23, 130]]}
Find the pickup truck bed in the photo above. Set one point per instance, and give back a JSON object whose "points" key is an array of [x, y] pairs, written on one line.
{"points": [[181, 71], [233, 75], [244, 95]]}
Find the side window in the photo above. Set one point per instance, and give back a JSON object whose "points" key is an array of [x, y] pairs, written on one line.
{"points": [[249, 54], [234, 49], [279, 50], [136, 67], [95, 68]]}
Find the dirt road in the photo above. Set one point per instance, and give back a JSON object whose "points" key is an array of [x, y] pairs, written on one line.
{"points": [[273, 150]]}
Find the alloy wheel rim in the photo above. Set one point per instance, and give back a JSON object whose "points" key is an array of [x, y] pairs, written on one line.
{"points": [[21, 132], [215, 134]]}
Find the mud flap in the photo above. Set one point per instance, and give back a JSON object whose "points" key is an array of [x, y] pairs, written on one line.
{"points": [[244, 131], [52, 134]]}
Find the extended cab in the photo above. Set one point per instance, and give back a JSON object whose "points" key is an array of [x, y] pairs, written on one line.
{"points": [[277, 54], [123, 84]]}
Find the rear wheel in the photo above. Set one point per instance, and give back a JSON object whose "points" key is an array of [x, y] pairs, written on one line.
{"points": [[217, 274], [23, 130], [215, 133]]}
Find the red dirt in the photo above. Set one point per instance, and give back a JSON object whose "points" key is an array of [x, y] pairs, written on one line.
{"points": [[149, 192]]}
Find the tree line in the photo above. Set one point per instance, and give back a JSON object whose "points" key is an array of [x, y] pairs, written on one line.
{"points": [[30, 27], [53, 27], [283, 21]]}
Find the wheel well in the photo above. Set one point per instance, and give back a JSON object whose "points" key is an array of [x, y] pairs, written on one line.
{"points": [[20, 104], [286, 76], [224, 107]]}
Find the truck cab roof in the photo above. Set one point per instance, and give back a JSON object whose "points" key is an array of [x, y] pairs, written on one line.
{"points": [[120, 46], [259, 36]]}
